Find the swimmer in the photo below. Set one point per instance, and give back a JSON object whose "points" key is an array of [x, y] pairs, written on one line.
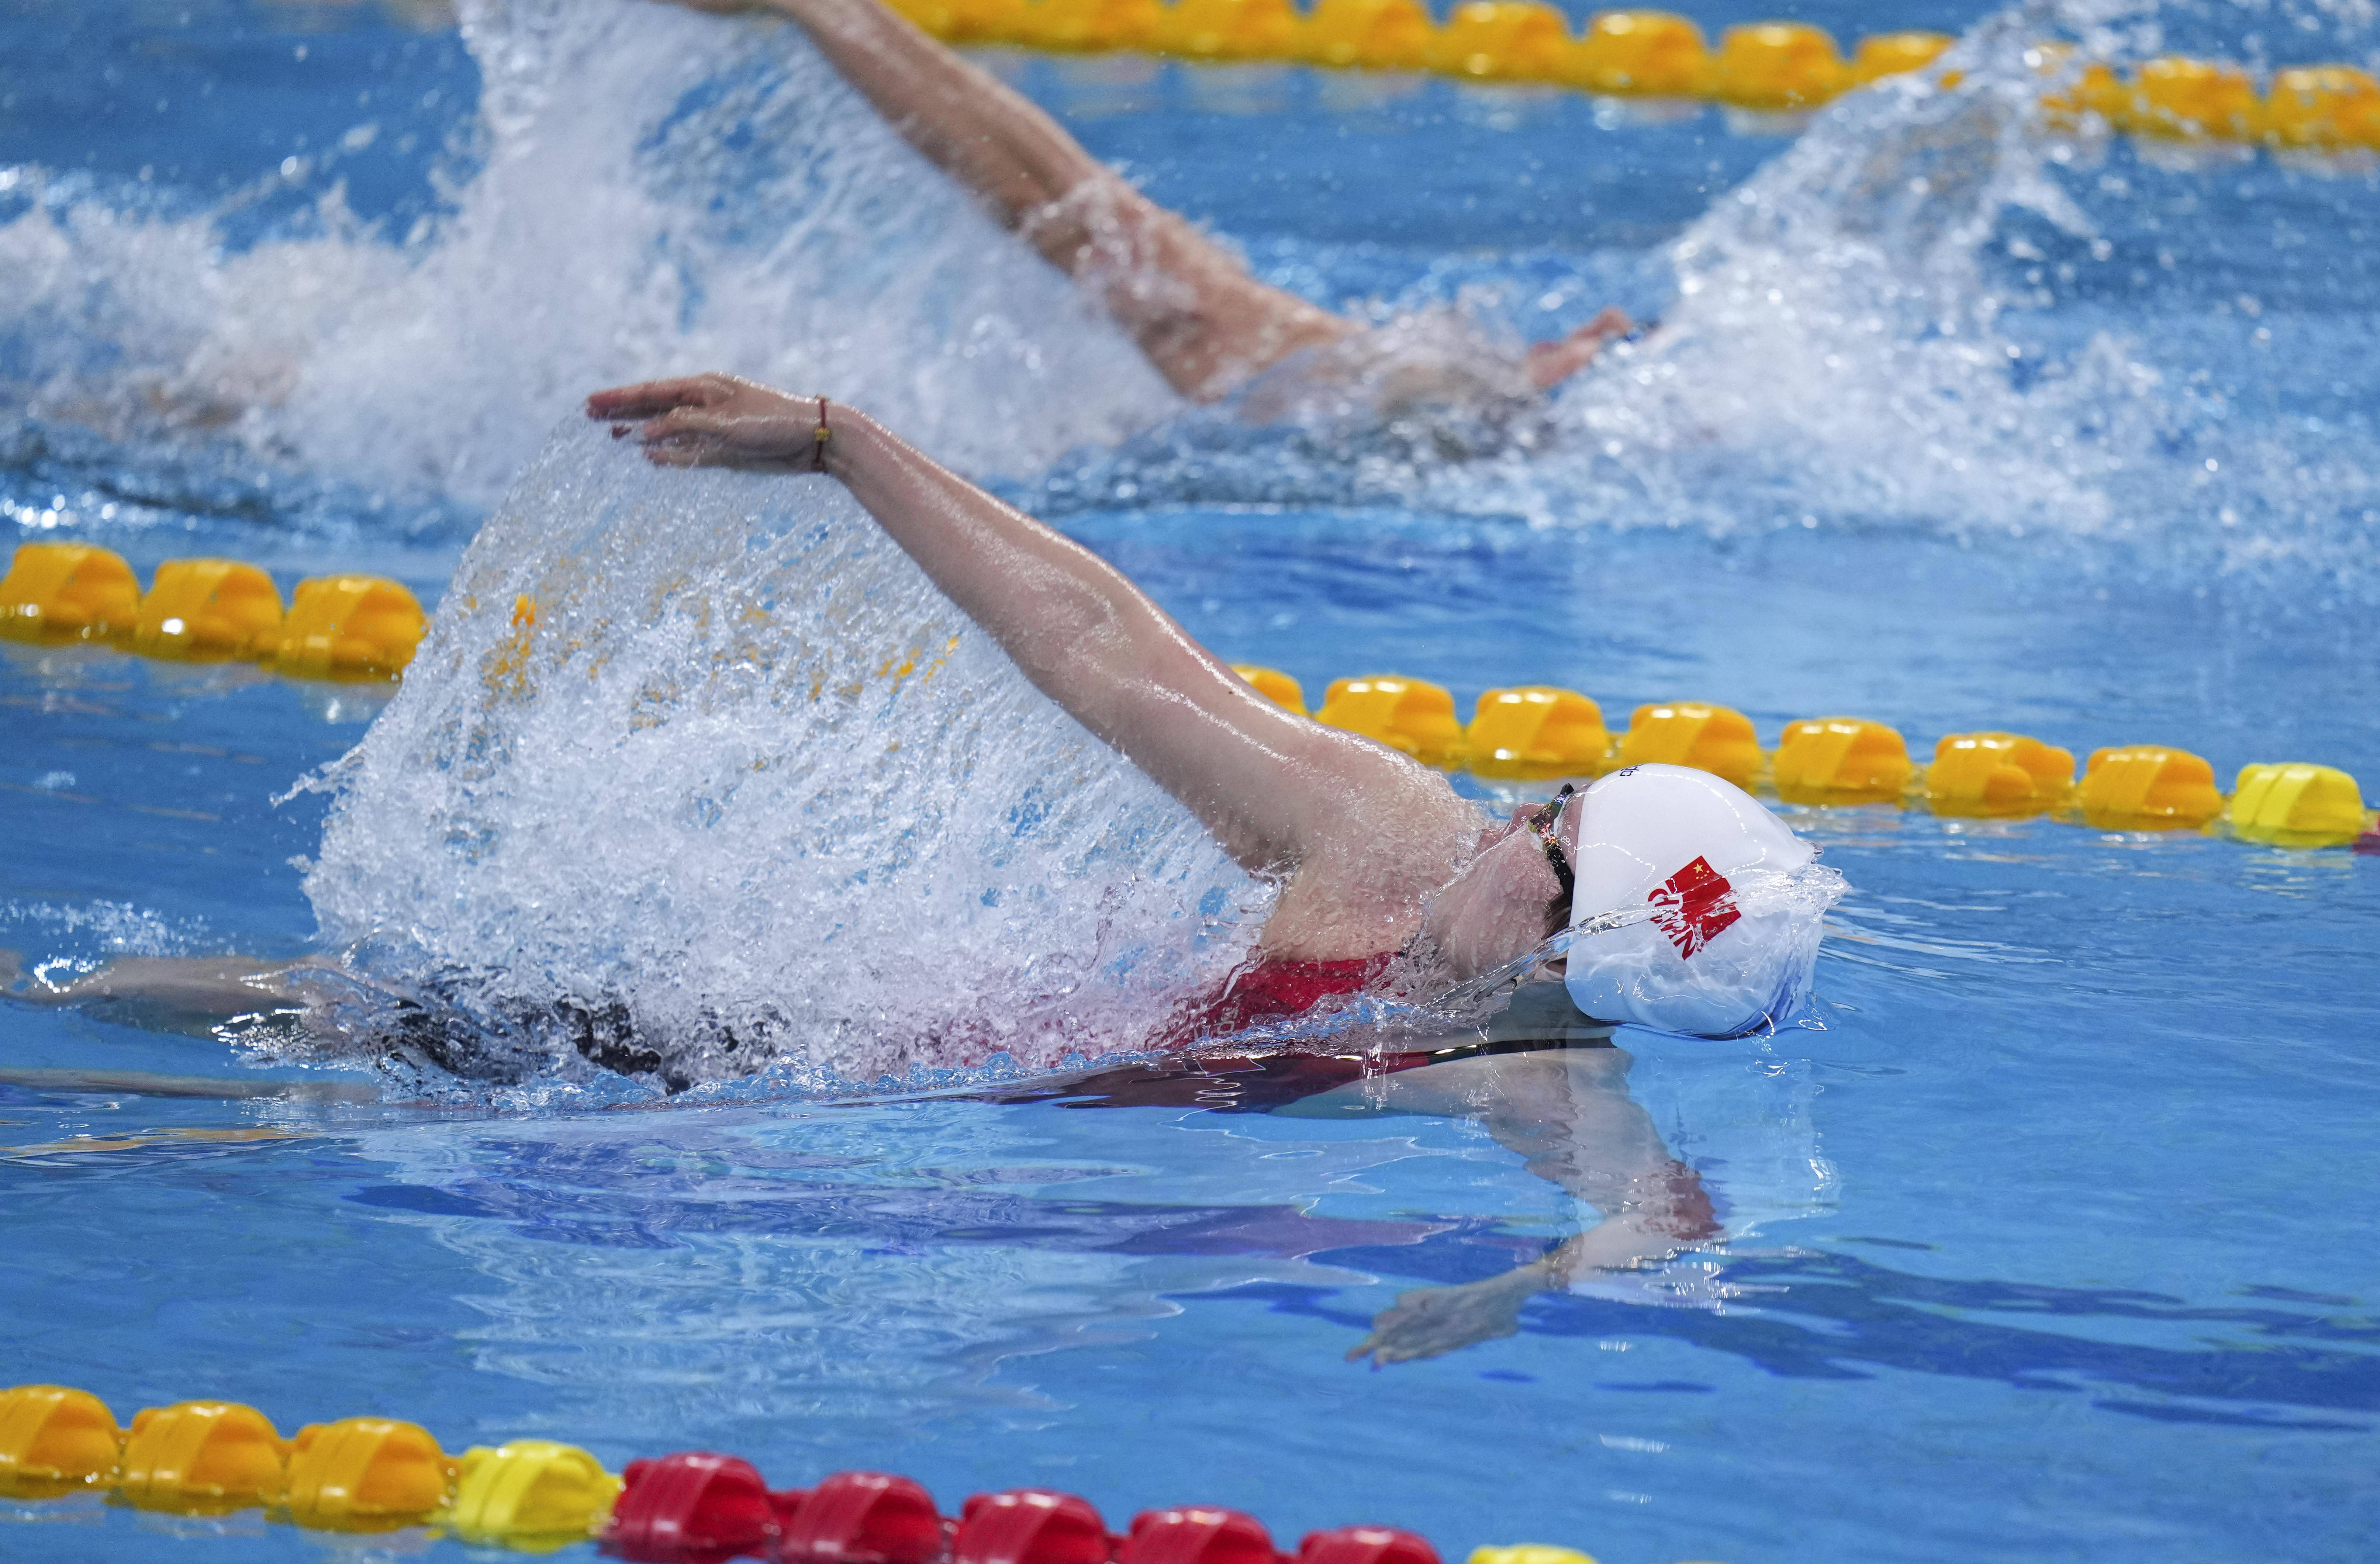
{"points": [[1387, 879], [1209, 327]]}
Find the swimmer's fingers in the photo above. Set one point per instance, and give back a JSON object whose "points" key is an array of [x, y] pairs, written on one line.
{"points": [[646, 398]]}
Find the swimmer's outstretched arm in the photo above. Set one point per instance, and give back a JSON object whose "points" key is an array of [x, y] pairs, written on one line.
{"points": [[1204, 323], [1364, 835]]}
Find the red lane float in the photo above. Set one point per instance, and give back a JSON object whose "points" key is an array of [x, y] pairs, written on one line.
{"points": [[1196, 1533], [862, 1518], [700, 1508], [695, 1508], [1030, 1526]]}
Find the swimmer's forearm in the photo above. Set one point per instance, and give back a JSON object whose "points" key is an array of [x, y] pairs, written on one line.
{"points": [[1087, 637], [1615, 1245], [989, 138], [1263, 781]]}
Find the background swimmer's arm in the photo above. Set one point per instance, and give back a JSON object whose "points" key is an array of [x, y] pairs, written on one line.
{"points": [[1272, 786], [1203, 322], [1015, 158]]}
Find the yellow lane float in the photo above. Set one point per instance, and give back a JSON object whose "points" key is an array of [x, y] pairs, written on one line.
{"points": [[67, 592], [1411, 715], [1840, 760], [1274, 685], [1537, 734], [531, 1494], [2148, 787], [2322, 108], [2297, 805], [1369, 35], [207, 611], [1529, 1553], [1504, 41], [1687, 733], [2001, 775], [1091, 26], [1778, 67], [1228, 29], [2184, 99], [1642, 55], [1895, 54]]}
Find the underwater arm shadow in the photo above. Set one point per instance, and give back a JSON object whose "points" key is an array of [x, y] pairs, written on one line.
{"points": [[1569, 1116]]}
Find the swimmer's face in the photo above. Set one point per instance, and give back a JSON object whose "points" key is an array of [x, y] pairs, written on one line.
{"points": [[1502, 906]]}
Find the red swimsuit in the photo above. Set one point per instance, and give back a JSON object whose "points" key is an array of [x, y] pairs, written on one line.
{"points": [[1275, 990]]}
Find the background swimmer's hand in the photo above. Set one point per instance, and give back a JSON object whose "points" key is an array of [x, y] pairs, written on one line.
{"points": [[1550, 363], [715, 421], [1430, 1321]]}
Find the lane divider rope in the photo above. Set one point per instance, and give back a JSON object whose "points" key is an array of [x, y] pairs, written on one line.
{"points": [[212, 611], [1771, 67], [366, 1474], [1537, 733], [366, 627]]}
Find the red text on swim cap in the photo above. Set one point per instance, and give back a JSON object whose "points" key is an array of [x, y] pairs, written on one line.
{"points": [[1696, 905]]}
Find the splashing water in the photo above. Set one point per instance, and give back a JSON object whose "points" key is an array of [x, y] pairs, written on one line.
{"points": [[1904, 321], [654, 193], [702, 768]]}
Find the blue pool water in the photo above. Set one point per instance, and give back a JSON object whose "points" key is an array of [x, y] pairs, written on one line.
{"points": [[2047, 1236]]}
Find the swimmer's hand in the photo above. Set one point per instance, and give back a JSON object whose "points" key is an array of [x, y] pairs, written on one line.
{"points": [[1550, 363], [1430, 1321], [715, 421]]}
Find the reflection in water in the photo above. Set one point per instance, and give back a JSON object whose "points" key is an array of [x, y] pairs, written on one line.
{"points": [[839, 1260], [1821, 1315], [900, 1259]]}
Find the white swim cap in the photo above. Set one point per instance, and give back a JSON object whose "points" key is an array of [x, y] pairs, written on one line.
{"points": [[1702, 909]]}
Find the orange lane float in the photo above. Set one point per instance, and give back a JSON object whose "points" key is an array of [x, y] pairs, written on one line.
{"points": [[1413, 716], [2148, 787], [67, 592], [1778, 66], [211, 610], [202, 1458], [1717, 739], [1642, 55], [1994, 774], [1840, 760], [1537, 734]]}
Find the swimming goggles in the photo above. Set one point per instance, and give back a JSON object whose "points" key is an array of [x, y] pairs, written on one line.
{"points": [[1546, 823]]}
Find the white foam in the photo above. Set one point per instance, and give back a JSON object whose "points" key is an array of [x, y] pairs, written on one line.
{"points": [[700, 788], [654, 193]]}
